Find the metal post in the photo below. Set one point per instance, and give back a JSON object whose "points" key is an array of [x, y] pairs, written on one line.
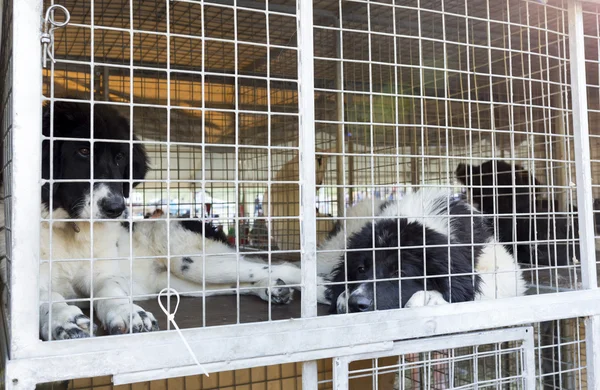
{"points": [[26, 163], [339, 159], [584, 185], [308, 221]]}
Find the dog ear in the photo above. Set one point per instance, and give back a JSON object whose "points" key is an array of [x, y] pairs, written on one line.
{"points": [[461, 173], [141, 167]]}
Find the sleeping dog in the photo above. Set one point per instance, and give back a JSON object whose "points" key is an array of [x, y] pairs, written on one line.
{"points": [[496, 197], [426, 233]]}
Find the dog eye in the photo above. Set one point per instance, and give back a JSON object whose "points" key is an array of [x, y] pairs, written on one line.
{"points": [[84, 152], [395, 274], [119, 156], [361, 269]]}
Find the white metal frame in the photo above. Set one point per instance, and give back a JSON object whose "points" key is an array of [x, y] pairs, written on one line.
{"points": [[524, 334], [158, 355]]}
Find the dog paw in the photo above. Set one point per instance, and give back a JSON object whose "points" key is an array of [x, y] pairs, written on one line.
{"points": [[68, 322], [323, 295], [121, 318], [280, 293], [341, 307], [426, 298]]}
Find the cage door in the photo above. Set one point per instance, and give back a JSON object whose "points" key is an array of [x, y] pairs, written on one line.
{"points": [[501, 358]]}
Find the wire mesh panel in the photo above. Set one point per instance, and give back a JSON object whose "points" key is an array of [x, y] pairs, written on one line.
{"points": [[559, 351], [371, 156], [559, 363], [470, 98], [473, 361], [208, 92]]}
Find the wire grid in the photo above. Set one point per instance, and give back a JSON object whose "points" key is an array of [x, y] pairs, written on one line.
{"points": [[560, 363], [591, 25], [447, 109], [560, 354], [414, 89], [479, 367], [428, 85], [211, 91], [6, 117], [453, 118]]}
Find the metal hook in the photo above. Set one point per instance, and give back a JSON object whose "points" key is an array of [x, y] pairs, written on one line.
{"points": [[50, 25]]}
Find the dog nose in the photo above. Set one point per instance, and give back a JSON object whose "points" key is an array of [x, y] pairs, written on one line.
{"points": [[359, 303], [113, 206]]}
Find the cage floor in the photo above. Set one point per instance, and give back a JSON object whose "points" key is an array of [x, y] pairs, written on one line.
{"points": [[222, 310]]}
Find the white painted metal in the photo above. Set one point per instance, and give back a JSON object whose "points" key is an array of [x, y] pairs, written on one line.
{"points": [[161, 350], [584, 184], [248, 363], [26, 131], [582, 146], [524, 334], [308, 223]]}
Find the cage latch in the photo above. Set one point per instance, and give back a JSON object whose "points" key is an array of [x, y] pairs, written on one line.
{"points": [[50, 24]]}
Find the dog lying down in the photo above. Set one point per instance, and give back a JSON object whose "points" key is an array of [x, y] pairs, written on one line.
{"points": [[199, 262], [411, 238]]}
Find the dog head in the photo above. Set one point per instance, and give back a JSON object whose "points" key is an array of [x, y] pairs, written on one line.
{"points": [[73, 154], [384, 279], [485, 185]]}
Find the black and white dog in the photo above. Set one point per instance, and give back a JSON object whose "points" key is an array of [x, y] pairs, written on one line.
{"points": [[69, 240], [492, 188], [427, 248]]}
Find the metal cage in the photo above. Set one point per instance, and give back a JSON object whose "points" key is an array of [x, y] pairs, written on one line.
{"points": [[270, 120]]}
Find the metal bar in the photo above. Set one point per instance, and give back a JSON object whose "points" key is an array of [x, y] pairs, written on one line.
{"points": [[584, 184], [340, 374], [306, 106], [592, 351], [339, 147], [449, 342], [529, 360], [26, 132], [140, 376], [306, 141], [582, 147]]}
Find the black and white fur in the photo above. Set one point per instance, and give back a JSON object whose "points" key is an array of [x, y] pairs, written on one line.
{"points": [[492, 188], [416, 231], [69, 243], [199, 258]]}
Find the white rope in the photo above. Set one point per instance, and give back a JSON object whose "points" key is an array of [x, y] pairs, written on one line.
{"points": [[171, 317]]}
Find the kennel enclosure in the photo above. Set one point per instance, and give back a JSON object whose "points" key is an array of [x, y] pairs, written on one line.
{"points": [[269, 118]]}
